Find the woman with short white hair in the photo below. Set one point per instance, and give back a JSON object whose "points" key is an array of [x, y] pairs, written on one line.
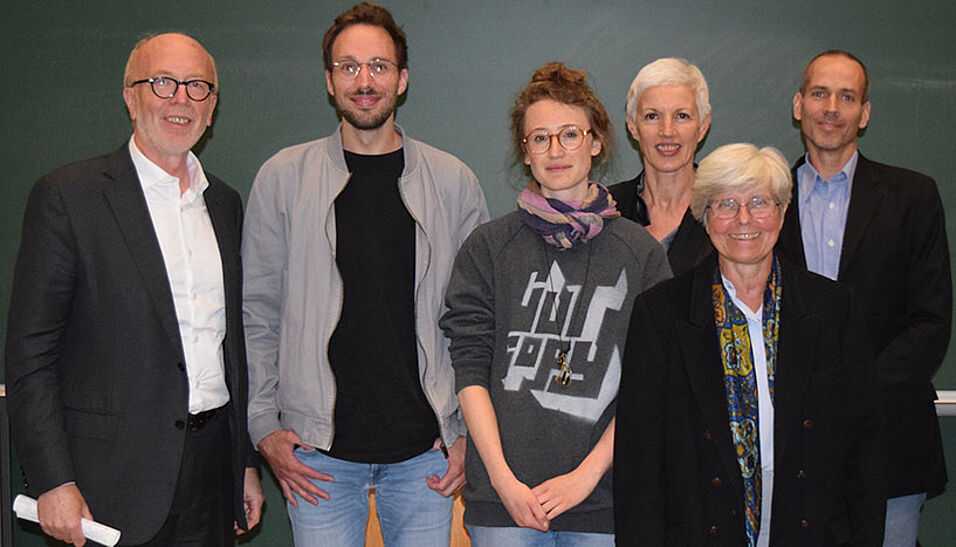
{"points": [[668, 114], [747, 412]]}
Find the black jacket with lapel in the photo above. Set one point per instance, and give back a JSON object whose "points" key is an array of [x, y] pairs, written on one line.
{"points": [[676, 476], [94, 362], [690, 244], [895, 258]]}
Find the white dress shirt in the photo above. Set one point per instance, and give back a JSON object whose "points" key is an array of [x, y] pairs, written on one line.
{"points": [[764, 409], [194, 267]]}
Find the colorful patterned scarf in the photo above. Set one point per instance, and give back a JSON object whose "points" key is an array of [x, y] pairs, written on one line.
{"points": [[562, 224], [740, 383]]}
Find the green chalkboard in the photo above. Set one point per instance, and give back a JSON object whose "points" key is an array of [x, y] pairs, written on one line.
{"points": [[60, 88]]}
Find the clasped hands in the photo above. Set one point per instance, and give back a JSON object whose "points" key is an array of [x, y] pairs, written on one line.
{"points": [[536, 507]]}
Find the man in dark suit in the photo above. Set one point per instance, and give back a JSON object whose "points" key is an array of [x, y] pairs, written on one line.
{"points": [[880, 230], [125, 358]]}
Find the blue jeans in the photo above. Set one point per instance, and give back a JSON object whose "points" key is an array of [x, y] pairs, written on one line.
{"points": [[490, 536], [902, 520], [410, 513]]}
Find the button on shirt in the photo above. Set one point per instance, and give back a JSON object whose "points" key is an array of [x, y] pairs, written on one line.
{"points": [[823, 209], [764, 409], [193, 265]]}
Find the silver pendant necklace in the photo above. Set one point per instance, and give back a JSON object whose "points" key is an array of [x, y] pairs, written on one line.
{"points": [[563, 361]]}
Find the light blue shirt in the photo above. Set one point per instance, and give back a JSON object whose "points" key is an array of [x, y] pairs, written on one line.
{"points": [[823, 208]]}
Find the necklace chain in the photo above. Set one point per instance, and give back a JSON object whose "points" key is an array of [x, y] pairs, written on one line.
{"points": [[563, 361]]}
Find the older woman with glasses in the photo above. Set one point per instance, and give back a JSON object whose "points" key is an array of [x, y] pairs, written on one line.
{"points": [[539, 302], [747, 412], [668, 114]]}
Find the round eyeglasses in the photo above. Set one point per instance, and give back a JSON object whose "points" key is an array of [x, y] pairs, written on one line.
{"points": [[378, 68], [570, 137], [165, 87], [757, 207]]}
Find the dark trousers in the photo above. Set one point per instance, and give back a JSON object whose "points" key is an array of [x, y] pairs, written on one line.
{"points": [[202, 513]]}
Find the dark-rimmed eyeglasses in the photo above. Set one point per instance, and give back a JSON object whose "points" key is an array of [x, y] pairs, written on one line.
{"points": [[165, 87], [378, 68], [570, 137], [757, 207]]}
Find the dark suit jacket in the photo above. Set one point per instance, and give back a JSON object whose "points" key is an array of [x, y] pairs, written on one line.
{"points": [[690, 244], [95, 370], [676, 476], [896, 259]]}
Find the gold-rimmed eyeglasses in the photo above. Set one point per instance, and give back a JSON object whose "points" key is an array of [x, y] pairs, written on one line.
{"points": [[570, 137]]}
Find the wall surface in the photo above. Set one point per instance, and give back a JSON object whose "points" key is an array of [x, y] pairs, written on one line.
{"points": [[60, 94]]}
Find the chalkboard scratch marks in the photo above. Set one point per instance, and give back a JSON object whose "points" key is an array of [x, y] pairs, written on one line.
{"points": [[929, 84]]}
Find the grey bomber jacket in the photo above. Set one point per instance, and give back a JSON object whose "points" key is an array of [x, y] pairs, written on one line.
{"points": [[292, 289]]}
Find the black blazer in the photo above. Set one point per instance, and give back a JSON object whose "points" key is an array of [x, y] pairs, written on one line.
{"points": [[690, 245], [676, 476], [96, 382], [896, 259]]}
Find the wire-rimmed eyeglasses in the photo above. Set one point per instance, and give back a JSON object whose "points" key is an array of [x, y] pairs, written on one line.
{"points": [[570, 137], [378, 68], [757, 207]]}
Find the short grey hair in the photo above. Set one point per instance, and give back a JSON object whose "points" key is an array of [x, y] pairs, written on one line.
{"points": [[740, 167], [669, 71], [131, 61]]}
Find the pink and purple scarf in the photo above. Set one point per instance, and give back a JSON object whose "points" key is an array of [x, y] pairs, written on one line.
{"points": [[562, 224]]}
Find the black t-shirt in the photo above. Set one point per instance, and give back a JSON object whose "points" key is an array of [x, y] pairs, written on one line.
{"points": [[381, 414]]}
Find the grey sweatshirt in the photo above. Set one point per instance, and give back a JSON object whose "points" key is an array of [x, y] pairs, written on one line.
{"points": [[514, 303]]}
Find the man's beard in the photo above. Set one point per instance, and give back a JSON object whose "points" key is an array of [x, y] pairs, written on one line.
{"points": [[368, 120]]}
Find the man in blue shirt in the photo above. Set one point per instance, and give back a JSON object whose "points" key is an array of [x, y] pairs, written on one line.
{"points": [[879, 229]]}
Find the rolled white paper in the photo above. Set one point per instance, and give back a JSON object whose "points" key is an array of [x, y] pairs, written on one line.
{"points": [[26, 508]]}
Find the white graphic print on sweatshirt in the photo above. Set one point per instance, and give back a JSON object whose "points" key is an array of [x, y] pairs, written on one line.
{"points": [[536, 350]]}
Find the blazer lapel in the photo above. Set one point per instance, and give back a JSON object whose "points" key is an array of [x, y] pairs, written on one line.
{"points": [[223, 220], [626, 198], [790, 242], [795, 354], [865, 196], [690, 245], [125, 197], [224, 224], [701, 357]]}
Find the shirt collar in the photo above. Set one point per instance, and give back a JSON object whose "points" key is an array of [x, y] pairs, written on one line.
{"points": [[807, 174], [151, 174], [748, 313]]}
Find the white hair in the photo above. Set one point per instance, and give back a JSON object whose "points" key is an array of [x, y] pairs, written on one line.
{"points": [[669, 71], [741, 166]]}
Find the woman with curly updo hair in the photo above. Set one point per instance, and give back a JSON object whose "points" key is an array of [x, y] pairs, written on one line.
{"points": [[538, 308]]}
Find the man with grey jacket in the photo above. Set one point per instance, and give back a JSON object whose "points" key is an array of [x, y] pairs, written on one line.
{"points": [[347, 249]]}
